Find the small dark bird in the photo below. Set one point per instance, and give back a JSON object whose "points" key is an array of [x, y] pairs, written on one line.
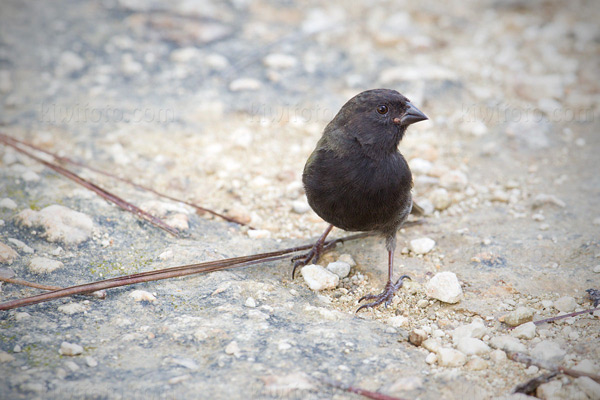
{"points": [[357, 180]]}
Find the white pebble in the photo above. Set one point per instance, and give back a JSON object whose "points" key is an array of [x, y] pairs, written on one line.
{"points": [[318, 278], [472, 346], [498, 356], [565, 304], [280, 61], [451, 358], [548, 351], [454, 180], [339, 268], [519, 316], [422, 245], [589, 387], [7, 254], [347, 258], [70, 349], [507, 343], [524, 331], [397, 321], [142, 295], [71, 308], [431, 358], [21, 246], [259, 234], [250, 302], [420, 166], [244, 84], [91, 362], [43, 265], [444, 286], [8, 203], [300, 206], [440, 199], [476, 364], [475, 329], [597, 269], [233, 349], [59, 223]]}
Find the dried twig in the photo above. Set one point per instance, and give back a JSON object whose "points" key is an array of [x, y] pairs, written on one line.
{"points": [[167, 273], [353, 389], [127, 181], [29, 284], [529, 388], [558, 317], [91, 186], [525, 359]]}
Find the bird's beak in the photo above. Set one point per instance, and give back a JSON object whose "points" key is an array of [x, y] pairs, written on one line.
{"points": [[412, 115]]}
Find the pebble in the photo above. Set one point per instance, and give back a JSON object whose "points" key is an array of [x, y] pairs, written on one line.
{"points": [[587, 366], [475, 329], [597, 269], [524, 331], [59, 223], [71, 366], [472, 346], [347, 258], [6, 357], [178, 221], [420, 166], [142, 295], [259, 234], [70, 349], [440, 199], [565, 304], [71, 308], [417, 336], [427, 206], [7, 254], [432, 345], [476, 364], [444, 286], [406, 383], [300, 206], [543, 199], [397, 321], [233, 349], [531, 370], [547, 350], [498, 356], [507, 343], [43, 265], [69, 63], [250, 302], [8, 203], [280, 61], [339, 268], [318, 278], [91, 362], [130, 67], [22, 316], [185, 54], [454, 180], [244, 84], [589, 386], [450, 358], [21, 246], [519, 316], [423, 303], [422, 245], [431, 358], [217, 61], [549, 390], [30, 176]]}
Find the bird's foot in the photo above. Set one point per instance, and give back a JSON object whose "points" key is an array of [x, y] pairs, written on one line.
{"points": [[312, 255], [384, 297]]}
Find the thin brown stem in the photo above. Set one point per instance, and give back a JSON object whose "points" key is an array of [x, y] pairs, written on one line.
{"points": [[525, 359], [353, 389]]}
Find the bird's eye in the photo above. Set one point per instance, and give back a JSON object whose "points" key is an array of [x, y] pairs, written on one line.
{"points": [[382, 109]]}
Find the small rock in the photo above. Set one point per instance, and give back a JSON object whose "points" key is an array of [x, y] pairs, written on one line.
{"points": [[71, 308], [233, 349], [454, 180], [69, 63], [71, 365], [178, 221], [472, 346], [427, 206], [498, 356], [543, 199], [185, 55], [17, 349], [259, 234], [423, 303], [244, 84], [431, 358], [347, 258], [417, 337], [507, 343], [300, 206], [397, 321], [524, 331], [476, 364], [60, 224], [450, 358], [339, 268], [532, 369], [250, 302], [589, 387], [6, 357], [7, 254], [216, 61], [8, 203], [422, 245], [43, 265], [70, 349], [444, 286], [587, 366], [280, 61], [318, 278], [440, 199], [21, 246], [519, 316], [597, 269], [406, 383], [22, 316], [565, 304], [30, 176], [475, 329], [130, 67], [91, 362], [142, 295], [549, 390], [432, 345], [548, 351], [420, 166]]}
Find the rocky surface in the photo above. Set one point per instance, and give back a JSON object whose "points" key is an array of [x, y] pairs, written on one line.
{"points": [[220, 103]]}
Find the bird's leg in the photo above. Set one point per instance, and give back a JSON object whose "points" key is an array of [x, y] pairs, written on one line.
{"points": [[314, 253], [390, 288]]}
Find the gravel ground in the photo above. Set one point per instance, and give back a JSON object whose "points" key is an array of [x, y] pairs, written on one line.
{"points": [[220, 103]]}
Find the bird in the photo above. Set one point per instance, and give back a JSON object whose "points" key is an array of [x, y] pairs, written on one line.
{"points": [[356, 179]]}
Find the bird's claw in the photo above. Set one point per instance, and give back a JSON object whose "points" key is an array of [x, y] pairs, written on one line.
{"points": [[384, 297], [312, 255]]}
